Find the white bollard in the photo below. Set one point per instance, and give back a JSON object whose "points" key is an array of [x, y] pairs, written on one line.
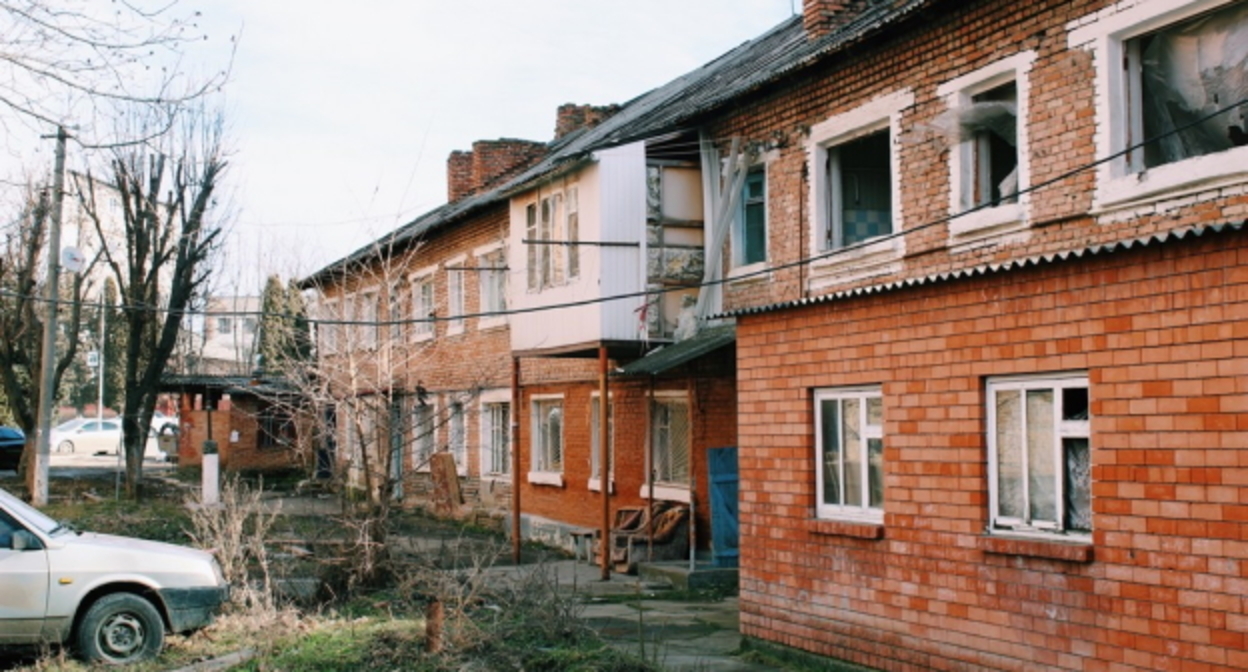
{"points": [[211, 469]]}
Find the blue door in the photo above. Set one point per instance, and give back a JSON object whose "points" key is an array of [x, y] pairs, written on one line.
{"points": [[725, 522]]}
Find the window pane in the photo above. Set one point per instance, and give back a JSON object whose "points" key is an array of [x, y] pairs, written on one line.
{"points": [[875, 472], [865, 203], [1009, 454], [1042, 482], [851, 439], [753, 240], [1078, 482], [1075, 403], [831, 451]]}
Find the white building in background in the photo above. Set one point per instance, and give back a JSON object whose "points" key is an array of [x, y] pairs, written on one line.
{"points": [[229, 336]]}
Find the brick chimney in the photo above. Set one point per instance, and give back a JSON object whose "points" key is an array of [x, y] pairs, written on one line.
{"points": [[489, 160], [572, 117], [819, 16]]}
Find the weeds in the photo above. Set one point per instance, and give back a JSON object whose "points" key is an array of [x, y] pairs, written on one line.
{"points": [[237, 532]]}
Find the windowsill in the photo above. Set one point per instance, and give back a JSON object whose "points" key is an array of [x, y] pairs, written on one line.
{"points": [[455, 329], [419, 338], [667, 493], [986, 225], [1031, 546], [496, 478], [847, 528], [491, 323], [546, 478], [749, 273], [595, 485], [855, 263], [1173, 180]]}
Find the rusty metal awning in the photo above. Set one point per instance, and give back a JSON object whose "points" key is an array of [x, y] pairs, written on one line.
{"points": [[670, 356]]}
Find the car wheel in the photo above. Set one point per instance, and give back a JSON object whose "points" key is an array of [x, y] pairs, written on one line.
{"points": [[65, 447], [120, 629]]}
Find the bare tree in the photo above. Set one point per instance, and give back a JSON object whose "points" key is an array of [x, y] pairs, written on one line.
{"points": [[64, 62], [166, 191], [22, 249]]}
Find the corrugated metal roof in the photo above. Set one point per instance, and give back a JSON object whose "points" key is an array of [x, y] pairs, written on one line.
{"points": [[670, 356], [260, 387], [999, 267], [750, 66]]}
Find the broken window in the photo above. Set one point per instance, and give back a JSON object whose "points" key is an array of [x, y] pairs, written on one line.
{"points": [[849, 453], [750, 241], [861, 190], [548, 435], [669, 435], [1177, 77], [1039, 453], [991, 121]]}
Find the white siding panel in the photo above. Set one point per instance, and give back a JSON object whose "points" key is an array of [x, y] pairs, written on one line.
{"points": [[622, 176]]}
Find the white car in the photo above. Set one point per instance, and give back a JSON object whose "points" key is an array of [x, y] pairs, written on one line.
{"points": [[89, 435], [112, 598]]}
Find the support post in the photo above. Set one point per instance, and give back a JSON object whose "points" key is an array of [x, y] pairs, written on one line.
{"points": [[515, 460], [38, 476], [604, 469]]}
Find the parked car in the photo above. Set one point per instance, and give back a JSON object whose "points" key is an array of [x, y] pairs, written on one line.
{"points": [[111, 598], [12, 442], [87, 435]]}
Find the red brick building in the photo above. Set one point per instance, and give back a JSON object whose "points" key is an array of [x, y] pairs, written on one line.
{"points": [[992, 365]]}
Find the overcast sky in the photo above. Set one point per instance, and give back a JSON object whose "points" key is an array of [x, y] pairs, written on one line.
{"points": [[342, 119]]}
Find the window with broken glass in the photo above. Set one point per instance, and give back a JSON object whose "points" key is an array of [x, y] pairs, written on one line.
{"points": [[860, 190], [1039, 455], [1177, 78], [849, 454]]}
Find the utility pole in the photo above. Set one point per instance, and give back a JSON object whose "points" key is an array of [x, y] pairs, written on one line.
{"points": [[38, 476]]}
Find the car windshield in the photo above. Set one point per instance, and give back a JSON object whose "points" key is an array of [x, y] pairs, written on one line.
{"points": [[70, 424], [29, 513]]}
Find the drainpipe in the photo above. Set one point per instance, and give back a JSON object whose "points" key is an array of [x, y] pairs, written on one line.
{"points": [[693, 473], [604, 470], [515, 460]]}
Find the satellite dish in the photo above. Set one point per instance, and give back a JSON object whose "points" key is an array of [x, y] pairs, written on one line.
{"points": [[72, 259]]}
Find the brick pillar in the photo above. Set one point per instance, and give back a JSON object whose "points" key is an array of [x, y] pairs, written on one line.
{"points": [[818, 16], [459, 182]]}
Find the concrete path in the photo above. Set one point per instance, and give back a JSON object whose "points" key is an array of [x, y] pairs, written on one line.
{"points": [[675, 635]]}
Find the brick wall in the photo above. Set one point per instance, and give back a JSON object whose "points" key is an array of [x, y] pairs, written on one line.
{"points": [[572, 117], [1162, 333], [487, 163]]}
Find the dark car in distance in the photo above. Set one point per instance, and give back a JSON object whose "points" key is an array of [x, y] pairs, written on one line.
{"points": [[12, 441]]}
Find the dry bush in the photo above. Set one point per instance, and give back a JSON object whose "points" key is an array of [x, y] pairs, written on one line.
{"points": [[236, 531]]}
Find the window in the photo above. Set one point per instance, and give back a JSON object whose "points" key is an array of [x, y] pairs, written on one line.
{"points": [[854, 160], [225, 325], [495, 437], [424, 429], [277, 428], [455, 297], [394, 315], [669, 436], [368, 318], [595, 434], [492, 276], [422, 308], [551, 227], [860, 185], [547, 441], [1167, 69], [457, 440], [986, 130], [249, 325], [849, 454], [750, 233], [329, 327], [1038, 455]]}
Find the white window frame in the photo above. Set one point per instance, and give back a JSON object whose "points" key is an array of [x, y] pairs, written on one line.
{"points": [[861, 511], [487, 400], [548, 266], [667, 490], [367, 313], [871, 257], [737, 232], [420, 439], [988, 223], [595, 481], [423, 327], [492, 285], [394, 314], [539, 473], [1063, 429], [1119, 187], [457, 431], [455, 295]]}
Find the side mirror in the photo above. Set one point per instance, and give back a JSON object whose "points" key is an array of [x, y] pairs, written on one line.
{"points": [[23, 540]]}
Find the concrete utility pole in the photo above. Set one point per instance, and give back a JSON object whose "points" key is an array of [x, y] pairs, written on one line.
{"points": [[38, 478]]}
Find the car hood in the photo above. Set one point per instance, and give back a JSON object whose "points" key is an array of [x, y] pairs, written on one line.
{"points": [[114, 543]]}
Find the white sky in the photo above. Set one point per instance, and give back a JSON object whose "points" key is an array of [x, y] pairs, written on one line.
{"points": [[343, 118], [342, 115]]}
